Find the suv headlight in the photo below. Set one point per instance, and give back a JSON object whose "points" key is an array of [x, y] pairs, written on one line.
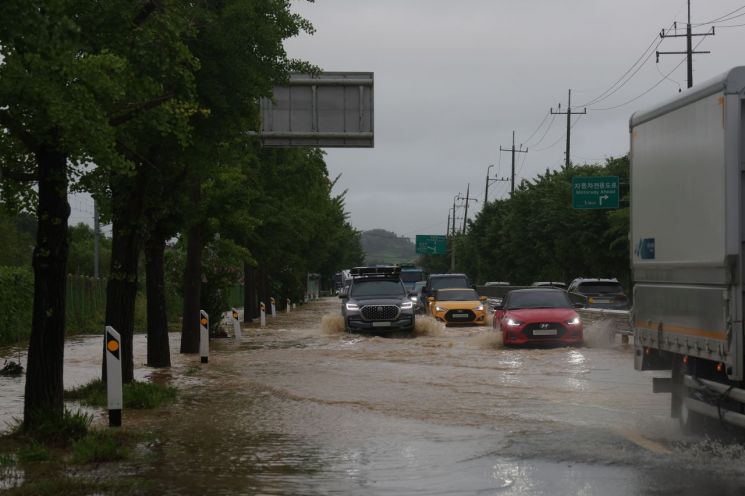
{"points": [[353, 306], [407, 305], [574, 321], [479, 307], [438, 308], [513, 323]]}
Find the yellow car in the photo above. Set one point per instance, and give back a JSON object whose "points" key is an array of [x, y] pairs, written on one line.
{"points": [[458, 306]]}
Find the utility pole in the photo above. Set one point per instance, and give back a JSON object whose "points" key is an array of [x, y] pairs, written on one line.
{"points": [[465, 216], [456, 197], [96, 238], [488, 182], [452, 238], [689, 43], [567, 162], [513, 150]]}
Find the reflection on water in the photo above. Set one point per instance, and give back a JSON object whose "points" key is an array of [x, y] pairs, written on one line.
{"points": [[303, 407]]}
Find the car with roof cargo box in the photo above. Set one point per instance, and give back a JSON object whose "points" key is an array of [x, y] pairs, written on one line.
{"points": [[377, 301]]}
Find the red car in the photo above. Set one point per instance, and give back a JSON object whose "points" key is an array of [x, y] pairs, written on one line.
{"points": [[538, 316]]}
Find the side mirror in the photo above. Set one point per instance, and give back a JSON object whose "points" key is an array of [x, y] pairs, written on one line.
{"points": [[412, 293], [579, 305], [430, 299], [483, 298]]}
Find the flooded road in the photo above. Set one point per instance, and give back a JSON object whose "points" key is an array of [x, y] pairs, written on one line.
{"points": [[304, 408]]}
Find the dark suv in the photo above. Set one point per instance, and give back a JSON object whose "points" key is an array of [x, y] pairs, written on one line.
{"points": [[600, 293], [376, 300]]}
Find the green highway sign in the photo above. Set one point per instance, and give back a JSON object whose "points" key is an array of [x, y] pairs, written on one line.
{"points": [[431, 244], [595, 192]]}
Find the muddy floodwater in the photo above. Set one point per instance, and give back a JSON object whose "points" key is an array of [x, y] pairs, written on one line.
{"points": [[304, 408]]}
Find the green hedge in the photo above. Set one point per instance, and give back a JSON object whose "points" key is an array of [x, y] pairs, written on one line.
{"points": [[86, 304], [85, 309], [16, 302]]}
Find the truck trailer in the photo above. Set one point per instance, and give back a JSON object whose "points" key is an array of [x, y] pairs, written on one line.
{"points": [[687, 239]]}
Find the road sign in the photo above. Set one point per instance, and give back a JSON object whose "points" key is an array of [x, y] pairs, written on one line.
{"points": [[330, 109], [594, 192], [431, 244]]}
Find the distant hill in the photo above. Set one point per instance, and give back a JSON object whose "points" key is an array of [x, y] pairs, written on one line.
{"points": [[385, 247]]}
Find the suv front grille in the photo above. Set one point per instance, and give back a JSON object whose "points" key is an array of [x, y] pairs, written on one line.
{"points": [[380, 312]]}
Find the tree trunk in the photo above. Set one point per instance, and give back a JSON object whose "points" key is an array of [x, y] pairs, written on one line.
{"points": [[121, 289], [250, 307], [44, 386], [262, 285], [192, 290], [158, 350]]}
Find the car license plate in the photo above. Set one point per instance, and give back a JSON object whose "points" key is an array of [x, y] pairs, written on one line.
{"points": [[544, 332], [381, 324], [460, 315]]}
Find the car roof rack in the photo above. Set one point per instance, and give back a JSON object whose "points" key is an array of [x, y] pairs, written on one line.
{"points": [[390, 271]]}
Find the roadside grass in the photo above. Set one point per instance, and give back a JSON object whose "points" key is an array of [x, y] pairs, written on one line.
{"points": [[136, 395], [50, 429], [64, 485], [29, 467], [33, 452], [101, 446]]}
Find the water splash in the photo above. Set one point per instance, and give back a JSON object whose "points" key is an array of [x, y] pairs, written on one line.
{"points": [[600, 333], [426, 325], [333, 324], [489, 340]]}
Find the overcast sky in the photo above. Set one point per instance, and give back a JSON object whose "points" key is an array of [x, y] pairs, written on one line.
{"points": [[454, 79]]}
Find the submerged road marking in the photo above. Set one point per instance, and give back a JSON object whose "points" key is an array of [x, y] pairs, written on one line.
{"points": [[643, 442]]}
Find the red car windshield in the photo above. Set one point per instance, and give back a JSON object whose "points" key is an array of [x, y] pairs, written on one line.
{"points": [[537, 299]]}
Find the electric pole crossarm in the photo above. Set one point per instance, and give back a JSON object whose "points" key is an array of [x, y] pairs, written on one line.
{"points": [[679, 53], [663, 34]]}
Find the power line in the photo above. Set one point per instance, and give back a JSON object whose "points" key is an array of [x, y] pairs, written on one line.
{"points": [[527, 141], [731, 26], [722, 18], [553, 118], [650, 89], [646, 55], [610, 91], [560, 138]]}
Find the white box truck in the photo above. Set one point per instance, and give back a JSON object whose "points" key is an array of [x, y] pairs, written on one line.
{"points": [[687, 242]]}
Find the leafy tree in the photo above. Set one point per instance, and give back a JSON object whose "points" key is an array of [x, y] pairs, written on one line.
{"points": [[17, 239], [62, 91], [240, 45], [80, 259], [537, 235]]}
